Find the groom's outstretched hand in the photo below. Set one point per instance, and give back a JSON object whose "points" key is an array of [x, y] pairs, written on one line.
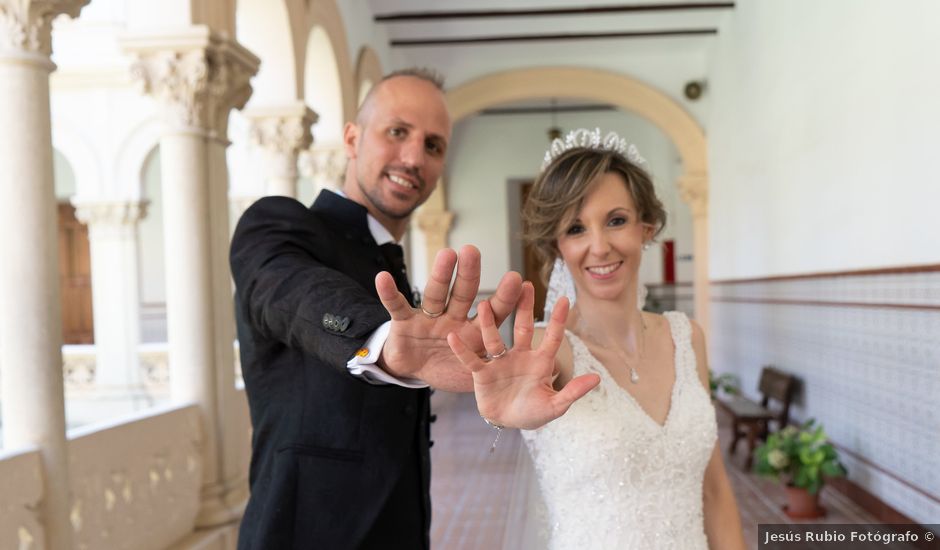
{"points": [[514, 386], [417, 342]]}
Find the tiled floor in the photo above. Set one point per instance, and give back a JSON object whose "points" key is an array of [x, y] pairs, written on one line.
{"points": [[471, 488]]}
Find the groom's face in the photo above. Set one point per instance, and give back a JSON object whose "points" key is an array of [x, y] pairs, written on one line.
{"points": [[397, 146]]}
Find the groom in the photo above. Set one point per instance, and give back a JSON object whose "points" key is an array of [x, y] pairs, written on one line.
{"points": [[338, 393]]}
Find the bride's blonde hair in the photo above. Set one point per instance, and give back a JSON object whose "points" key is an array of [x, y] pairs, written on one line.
{"points": [[560, 189]]}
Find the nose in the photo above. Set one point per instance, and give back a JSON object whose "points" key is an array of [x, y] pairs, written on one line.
{"points": [[600, 245], [412, 152]]}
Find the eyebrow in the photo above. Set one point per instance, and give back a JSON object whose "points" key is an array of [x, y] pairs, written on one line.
{"points": [[433, 136]]}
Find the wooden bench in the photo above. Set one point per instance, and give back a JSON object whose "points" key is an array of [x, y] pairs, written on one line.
{"points": [[751, 419]]}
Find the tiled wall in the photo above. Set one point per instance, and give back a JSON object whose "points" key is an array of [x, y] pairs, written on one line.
{"points": [[866, 347]]}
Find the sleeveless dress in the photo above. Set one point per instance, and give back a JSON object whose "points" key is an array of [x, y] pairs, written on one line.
{"points": [[611, 477]]}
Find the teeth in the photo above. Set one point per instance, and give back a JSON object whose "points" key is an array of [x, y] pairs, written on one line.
{"points": [[402, 182], [603, 270]]}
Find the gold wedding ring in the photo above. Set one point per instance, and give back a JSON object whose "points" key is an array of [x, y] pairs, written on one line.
{"points": [[432, 315]]}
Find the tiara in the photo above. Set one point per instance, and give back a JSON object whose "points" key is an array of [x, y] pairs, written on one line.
{"points": [[591, 139]]}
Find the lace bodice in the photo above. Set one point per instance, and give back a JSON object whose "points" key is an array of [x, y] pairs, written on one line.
{"points": [[613, 478]]}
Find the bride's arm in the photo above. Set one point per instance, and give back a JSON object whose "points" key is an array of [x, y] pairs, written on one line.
{"points": [[722, 518]]}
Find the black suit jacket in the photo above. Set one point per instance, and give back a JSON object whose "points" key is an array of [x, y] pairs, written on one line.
{"points": [[336, 462]]}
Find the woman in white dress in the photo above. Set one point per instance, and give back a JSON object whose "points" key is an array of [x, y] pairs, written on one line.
{"points": [[634, 463]]}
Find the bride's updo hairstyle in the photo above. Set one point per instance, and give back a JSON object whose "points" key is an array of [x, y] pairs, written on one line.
{"points": [[559, 192]]}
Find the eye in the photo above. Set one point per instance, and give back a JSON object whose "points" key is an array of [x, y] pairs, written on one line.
{"points": [[575, 229], [617, 221], [396, 132], [434, 147]]}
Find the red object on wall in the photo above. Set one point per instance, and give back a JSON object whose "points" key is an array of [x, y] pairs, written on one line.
{"points": [[669, 261]]}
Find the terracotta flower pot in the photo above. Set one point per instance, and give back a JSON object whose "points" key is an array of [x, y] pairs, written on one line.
{"points": [[801, 504]]}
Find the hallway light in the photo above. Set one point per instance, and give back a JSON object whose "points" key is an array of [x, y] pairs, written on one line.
{"points": [[554, 131]]}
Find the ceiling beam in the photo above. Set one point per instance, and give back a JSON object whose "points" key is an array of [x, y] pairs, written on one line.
{"points": [[543, 12], [549, 37], [540, 110]]}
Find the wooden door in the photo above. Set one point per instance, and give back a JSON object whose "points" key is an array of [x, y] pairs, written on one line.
{"points": [[75, 278], [531, 264]]}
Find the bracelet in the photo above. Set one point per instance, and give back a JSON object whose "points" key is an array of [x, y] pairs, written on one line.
{"points": [[495, 426]]}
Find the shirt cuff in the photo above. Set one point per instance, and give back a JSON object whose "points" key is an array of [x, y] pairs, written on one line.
{"points": [[364, 363]]}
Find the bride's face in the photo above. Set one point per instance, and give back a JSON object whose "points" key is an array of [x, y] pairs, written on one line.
{"points": [[602, 242]]}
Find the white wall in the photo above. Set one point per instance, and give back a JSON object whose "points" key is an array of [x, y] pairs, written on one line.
{"points": [[823, 137], [487, 151]]}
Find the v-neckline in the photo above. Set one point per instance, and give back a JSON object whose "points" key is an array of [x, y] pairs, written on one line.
{"points": [[627, 394]]}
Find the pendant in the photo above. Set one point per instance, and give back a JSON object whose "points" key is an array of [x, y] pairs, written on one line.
{"points": [[634, 377]]}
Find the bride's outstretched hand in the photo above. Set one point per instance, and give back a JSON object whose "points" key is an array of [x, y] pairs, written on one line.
{"points": [[513, 387]]}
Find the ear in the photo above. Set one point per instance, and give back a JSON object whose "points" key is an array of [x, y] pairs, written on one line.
{"points": [[351, 135], [648, 232]]}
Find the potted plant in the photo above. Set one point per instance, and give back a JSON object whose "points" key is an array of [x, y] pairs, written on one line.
{"points": [[801, 457], [726, 382]]}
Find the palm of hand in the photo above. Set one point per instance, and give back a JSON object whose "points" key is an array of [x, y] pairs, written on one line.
{"points": [[517, 389], [416, 345], [514, 388]]}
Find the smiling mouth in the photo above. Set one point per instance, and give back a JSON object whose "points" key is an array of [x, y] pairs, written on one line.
{"points": [[401, 182], [604, 269]]}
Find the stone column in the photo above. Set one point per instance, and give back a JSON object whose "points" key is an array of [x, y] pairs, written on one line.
{"points": [[31, 319], [281, 133], [434, 221], [693, 188], [112, 235], [197, 77]]}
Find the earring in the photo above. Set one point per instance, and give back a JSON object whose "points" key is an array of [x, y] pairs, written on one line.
{"points": [[646, 245]]}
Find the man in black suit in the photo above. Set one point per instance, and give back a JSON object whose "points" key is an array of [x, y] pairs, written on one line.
{"points": [[338, 393]]}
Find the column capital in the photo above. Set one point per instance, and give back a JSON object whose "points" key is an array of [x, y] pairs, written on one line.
{"points": [[197, 75], [282, 129], [110, 212], [693, 188], [26, 25], [435, 222], [326, 165]]}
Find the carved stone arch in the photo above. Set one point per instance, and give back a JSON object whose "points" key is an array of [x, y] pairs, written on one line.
{"points": [[326, 14], [368, 72], [71, 143], [268, 29], [628, 94], [132, 156]]}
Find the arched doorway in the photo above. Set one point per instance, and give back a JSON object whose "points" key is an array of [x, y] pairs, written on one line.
{"points": [[625, 93]]}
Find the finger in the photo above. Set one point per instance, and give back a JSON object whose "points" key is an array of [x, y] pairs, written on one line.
{"points": [[492, 341], [435, 292], [555, 332], [466, 284], [574, 390], [396, 304], [525, 324], [506, 296], [463, 353]]}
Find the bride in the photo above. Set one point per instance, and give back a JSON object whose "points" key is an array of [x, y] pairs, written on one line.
{"points": [[634, 463]]}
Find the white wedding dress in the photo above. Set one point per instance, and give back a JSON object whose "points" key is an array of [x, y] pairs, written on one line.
{"points": [[610, 477]]}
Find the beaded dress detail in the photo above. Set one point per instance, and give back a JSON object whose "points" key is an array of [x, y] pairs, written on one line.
{"points": [[611, 477]]}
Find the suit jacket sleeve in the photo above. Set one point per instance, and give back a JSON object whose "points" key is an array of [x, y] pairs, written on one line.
{"points": [[281, 260]]}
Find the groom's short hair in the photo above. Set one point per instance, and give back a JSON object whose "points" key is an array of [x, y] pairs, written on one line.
{"points": [[422, 73]]}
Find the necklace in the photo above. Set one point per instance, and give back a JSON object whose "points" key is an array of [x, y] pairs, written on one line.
{"points": [[634, 376]]}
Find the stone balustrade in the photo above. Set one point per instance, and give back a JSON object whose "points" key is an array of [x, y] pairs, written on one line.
{"points": [[134, 484]]}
